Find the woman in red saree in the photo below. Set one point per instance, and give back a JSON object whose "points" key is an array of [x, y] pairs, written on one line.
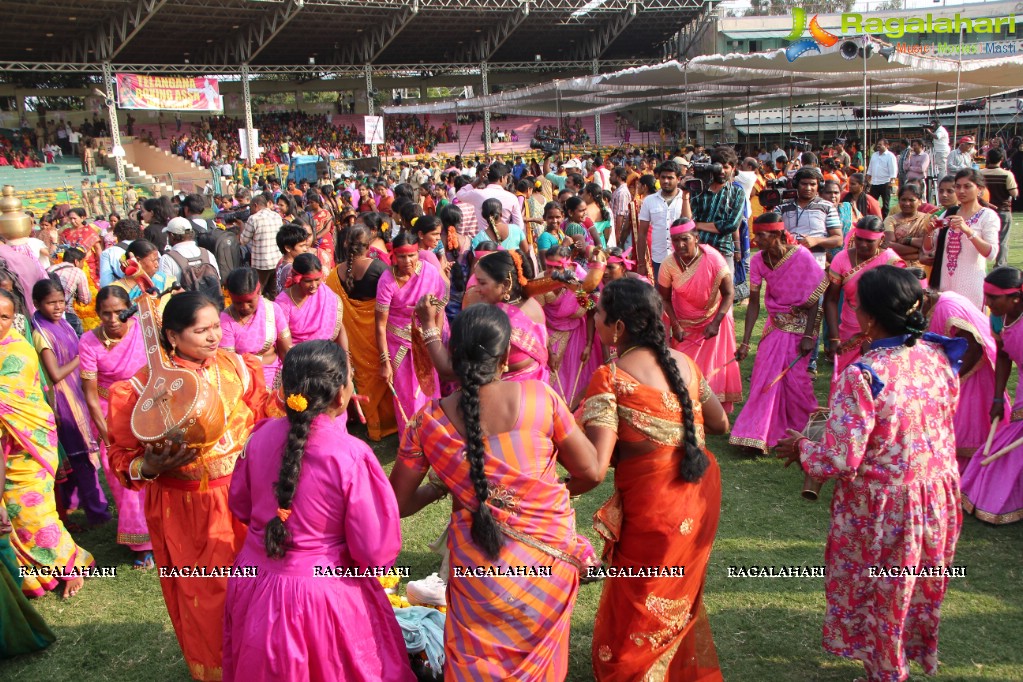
{"points": [[646, 412], [86, 237], [844, 275], [495, 445], [186, 488], [323, 229], [696, 286]]}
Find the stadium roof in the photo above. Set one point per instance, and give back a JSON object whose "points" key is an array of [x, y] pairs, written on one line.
{"points": [[341, 32]]}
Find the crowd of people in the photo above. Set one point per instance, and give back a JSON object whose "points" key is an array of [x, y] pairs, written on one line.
{"points": [[502, 320]]}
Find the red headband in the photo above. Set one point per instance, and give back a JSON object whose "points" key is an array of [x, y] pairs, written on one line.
{"points": [[682, 228], [768, 227], [408, 248], [992, 290], [864, 233], [294, 278], [244, 298]]}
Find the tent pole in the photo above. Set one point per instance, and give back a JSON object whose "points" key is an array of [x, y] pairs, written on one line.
{"points": [[747, 123], [819, 140], [685, 76], [959, 75]]}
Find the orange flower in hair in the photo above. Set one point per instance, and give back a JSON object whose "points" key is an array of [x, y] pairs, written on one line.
{"points": [[517, 259], [451, 240]]}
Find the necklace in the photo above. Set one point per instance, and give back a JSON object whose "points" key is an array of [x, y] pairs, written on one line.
{"points": [[688, 265], [628, 350], [107, 341]]}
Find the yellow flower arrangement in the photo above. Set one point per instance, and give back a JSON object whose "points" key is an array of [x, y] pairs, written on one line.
{"points": [[87, 312], [389, 582]]}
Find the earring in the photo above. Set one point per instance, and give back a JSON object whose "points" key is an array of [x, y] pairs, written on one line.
{"points": [[504, 368], [506, 297]]}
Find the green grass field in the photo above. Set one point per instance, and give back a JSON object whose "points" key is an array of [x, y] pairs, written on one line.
{"points": [[764, 629]]}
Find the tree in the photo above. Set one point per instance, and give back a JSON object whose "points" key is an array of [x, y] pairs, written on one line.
{"points": [[890, 5], [761, 8]]}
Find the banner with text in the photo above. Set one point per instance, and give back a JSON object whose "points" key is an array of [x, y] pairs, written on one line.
{"points": [[179, 93]]}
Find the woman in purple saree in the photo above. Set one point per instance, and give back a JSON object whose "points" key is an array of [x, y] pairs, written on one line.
{"points": [[57, 345]]}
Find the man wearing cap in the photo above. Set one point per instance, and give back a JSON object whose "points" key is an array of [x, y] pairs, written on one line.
{"points": [[260, 234], [882, 170], [181, 240], [962, 156]]}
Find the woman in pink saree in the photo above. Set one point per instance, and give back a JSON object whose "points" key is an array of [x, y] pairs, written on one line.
{"points": [[570, 331], [115, 351], [795, 284], [252, 324], [952, 314], [697, 289], [993, 492], [404, 365], [846, 269], [311, 311]]}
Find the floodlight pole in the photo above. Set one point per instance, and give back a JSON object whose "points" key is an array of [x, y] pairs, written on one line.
{"points": [[250, 142], [370, 102], [596, 117], [115, 132], [485, 75]]}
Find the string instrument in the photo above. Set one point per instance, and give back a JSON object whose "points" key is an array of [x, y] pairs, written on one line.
{"points": [[815, 429], [174, 405], [566, 280]]}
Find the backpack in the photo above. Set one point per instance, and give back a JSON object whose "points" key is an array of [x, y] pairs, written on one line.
{"points": [[224, 246], [201, 227], [198, 274]]}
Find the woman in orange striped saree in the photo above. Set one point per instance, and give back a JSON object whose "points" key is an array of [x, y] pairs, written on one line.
{"points": [[646, 412], [515, 556]]}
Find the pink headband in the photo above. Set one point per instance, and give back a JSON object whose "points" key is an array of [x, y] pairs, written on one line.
{"points": [[623, 259], [682, 228], [557, 263], [479, 254], [863, 233], [992, 290]]}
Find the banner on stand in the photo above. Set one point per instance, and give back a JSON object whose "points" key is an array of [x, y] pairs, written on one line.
{"points": [[374, 129], [174, 93]]}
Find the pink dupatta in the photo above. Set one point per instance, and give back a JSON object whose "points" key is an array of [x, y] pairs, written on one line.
{"points": [[319, 316]]}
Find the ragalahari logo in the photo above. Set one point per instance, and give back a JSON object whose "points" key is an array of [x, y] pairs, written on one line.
{"points": [[818, 36]]}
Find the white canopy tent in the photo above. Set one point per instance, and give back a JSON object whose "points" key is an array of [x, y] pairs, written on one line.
{"points": [[714, 84]]}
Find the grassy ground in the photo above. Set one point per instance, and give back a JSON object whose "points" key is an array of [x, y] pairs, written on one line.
{"points": [[764, 629]]}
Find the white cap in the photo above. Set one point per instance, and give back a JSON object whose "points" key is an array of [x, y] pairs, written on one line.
{"points": [[178, 226], [573, 163]]}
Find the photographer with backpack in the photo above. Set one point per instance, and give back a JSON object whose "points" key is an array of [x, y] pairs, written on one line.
{"points": [[192, 266]]}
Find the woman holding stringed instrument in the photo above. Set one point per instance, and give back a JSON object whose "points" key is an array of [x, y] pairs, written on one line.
{"points": [[175, 430]]}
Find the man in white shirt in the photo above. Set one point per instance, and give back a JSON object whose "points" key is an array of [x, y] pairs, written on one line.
{"points": [[658, 212], [776, 153], [601, 175], [746, 176], [882, 170], [938, 135], [182, 242]]}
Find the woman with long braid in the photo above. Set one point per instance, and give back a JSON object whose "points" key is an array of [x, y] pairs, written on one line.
{"points": [[647, 411], [495, 445], [316, 501]]}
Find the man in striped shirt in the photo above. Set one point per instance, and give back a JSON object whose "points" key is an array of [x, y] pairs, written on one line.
{"points": [[814, 222]]}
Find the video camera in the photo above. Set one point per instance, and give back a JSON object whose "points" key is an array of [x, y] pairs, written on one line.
{"points": [[240, 213], [775, 193], [548, 145], [703, 174]]}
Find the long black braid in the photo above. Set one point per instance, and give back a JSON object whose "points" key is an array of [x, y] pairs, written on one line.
{"points": [[638, 306], [479, 343], [316, 371]]}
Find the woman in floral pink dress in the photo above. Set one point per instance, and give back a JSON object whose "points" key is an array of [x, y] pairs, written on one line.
{"points": [[890, 447]]}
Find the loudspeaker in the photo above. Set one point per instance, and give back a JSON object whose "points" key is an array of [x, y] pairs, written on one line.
{"points": [[850, 50]]}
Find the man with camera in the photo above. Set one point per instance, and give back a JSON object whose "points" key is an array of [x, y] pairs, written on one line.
{"points": [[717, 210], [814, 222]]}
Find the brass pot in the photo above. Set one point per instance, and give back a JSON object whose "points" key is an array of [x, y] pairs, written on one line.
{"points": [[14, 223]]}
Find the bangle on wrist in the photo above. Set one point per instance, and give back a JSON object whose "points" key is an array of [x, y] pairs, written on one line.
{"points": [[998, 400]]}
